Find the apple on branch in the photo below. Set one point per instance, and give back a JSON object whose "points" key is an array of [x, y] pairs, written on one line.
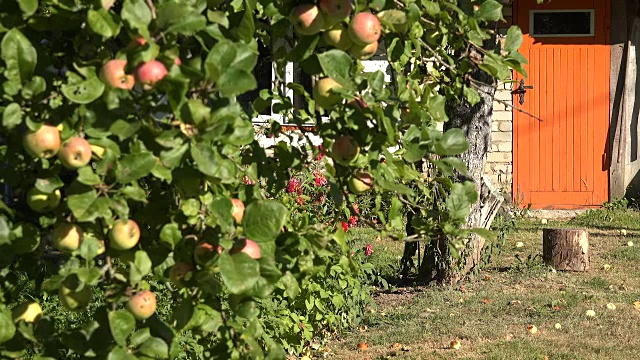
{"points": [[43, 143], [338, 37], [40, 201], [365, 28], [307, 19], [150, 73], [124, 235], [345, 149], [360, 182], [142, 305], [75, 153], [75, 300], [28, 312], [67, 237], [335, 11], [322, 94], [113, 74]]}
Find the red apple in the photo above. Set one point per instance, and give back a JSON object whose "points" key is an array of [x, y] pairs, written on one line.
{"points": [[149, 73], [345, 149], [142, 305], [67, 237], [248, 247], [323, 95], [360, 182], [112, 74], [307, 19], [124, 235], [43, 143], [238, 210], [335, 11], [75, 153], [364, 52], [365, 28]]}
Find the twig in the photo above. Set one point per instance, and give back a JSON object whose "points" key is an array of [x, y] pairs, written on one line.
{"points": [[152, 8]]}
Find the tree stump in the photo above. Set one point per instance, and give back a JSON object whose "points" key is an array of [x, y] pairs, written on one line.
{"points": [[566, 249]]}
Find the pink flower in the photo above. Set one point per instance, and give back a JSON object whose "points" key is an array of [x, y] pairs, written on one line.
{"points": [[247, 180], [353, 221], [321, 199], [345, 226], [320, 154], [368, 250], [294, 186], [320, 179], [300, 200]]}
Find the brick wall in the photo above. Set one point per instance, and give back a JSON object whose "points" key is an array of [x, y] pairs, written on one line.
{"points": [[500, 158]]}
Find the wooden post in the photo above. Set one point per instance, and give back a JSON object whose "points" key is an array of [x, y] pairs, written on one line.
{"points": [[566, 249]]}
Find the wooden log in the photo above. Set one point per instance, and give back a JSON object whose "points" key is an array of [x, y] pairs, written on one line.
{"points": [[566, 249]]}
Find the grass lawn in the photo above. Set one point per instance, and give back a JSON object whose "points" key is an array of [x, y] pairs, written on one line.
{"points": [[490, 313]]}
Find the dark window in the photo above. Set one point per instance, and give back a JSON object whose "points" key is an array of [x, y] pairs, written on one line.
{"points": [[262, 73], [562, 23]]}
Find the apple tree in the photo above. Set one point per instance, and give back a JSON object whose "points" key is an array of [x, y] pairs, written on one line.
{"points": [[139, 216]]}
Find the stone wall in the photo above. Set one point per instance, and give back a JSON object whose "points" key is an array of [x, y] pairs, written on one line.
{"points": [[500, 157]]}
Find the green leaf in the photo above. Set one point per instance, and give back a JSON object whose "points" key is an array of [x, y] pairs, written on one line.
{"points": [[104, 23], [170, 234], [25, 237], [121, 324], [155, 348], [5, 231], [124, 129], [120, 353], [460, 199], [263, 220], [490, 10], [12, 116], [7, 329], [395, 19], [337, 65], [485, 233], [139, 337], [173, 158], [471, 95], [36, 86], [140, 268], [49, 185], [28, 7], [137, 15], [87, 207], [89, 248], [431, 7], [211, 163], [239, 272], [19, 56], [290, 285], [227, 55], [133, 193], [453, 142], [88, 177], [246, 28], [236, 82], [83, 92], [135, 166], [513, 40], [178, 18]]}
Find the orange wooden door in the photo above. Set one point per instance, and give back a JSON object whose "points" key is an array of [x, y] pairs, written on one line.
{"points": [[560, 137]]}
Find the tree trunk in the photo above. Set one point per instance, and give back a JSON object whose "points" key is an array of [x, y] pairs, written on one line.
{"points": [[438, 264], [566, 249]]}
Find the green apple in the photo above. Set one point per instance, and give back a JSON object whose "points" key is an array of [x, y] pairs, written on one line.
{"points": [[67, 237], [323, 95], [364, 52], [124, 235], [360, 182], [29, 312], [75, 300], [344, 150], [40, 201], [337, 37]]}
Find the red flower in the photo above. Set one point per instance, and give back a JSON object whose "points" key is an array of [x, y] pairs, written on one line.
{"points": [[247, 180], [345, 226], [321, 199], [294, 186], [353, 221], [320, 153], [368, 250], [300, 200]]}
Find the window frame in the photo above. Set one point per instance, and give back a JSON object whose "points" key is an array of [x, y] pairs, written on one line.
{"points": [[592, 23]]}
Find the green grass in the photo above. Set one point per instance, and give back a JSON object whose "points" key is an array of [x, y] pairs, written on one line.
{"points": [[490, 313]]}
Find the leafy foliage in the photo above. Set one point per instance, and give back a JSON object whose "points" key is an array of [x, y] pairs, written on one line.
{"points": [[145, 155]]}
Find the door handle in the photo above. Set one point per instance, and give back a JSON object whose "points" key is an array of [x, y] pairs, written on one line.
{"points": [[522, 90]]}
